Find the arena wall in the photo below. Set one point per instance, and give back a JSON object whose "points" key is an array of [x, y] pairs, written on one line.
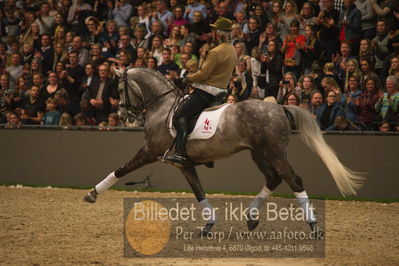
{"points": [[83, 158]]}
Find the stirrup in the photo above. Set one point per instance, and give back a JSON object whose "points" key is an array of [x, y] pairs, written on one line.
{"points": [[162, 158], [180, 160]]}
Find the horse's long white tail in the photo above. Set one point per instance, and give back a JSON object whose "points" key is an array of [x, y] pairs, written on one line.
{"points": [[347, 180]]}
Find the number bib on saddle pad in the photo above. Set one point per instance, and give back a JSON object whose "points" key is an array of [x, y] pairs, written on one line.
{"points": [[206, 125]]}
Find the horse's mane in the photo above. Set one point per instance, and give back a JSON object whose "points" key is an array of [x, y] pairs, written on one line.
{"points": [[159, 75]]}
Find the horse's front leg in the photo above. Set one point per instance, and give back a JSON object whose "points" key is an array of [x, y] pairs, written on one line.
{"points": [[142, 158], [190, 173]]}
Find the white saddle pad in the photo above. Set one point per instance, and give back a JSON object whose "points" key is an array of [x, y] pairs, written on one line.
{"points": [[206, 125]]}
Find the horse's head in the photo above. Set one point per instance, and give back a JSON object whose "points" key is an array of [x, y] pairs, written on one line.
{"points": [[141, 88], [131, 98]]}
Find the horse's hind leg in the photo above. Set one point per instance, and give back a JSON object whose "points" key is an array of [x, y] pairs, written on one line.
{"points": [[272, 182], [142, 158], [190, 173], [284, 170]]}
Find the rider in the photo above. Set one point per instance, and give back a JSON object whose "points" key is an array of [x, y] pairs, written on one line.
{"points": [[211, 80]]}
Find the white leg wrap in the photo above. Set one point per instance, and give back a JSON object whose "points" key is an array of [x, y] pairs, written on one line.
{"points": [[303, 200], [260, 199], [108, 182], [211, 213]]}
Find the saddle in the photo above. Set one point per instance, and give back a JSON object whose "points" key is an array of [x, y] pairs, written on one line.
{"points": [[217, 103], [203, 125]]}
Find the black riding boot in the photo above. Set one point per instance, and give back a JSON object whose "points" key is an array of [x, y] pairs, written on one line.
{"points": [[180, 157]]}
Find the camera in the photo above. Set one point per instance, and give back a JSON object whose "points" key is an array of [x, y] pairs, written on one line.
{"points": [[286, 82]]}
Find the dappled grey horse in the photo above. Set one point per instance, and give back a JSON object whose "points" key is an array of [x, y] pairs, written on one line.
{"points": [[255, 125]]}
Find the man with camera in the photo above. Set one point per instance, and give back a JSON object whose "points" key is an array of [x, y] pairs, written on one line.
{"points": [[209, 82]]}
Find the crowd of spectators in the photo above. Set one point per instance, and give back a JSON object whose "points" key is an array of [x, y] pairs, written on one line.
{"points": [[339, 59]]}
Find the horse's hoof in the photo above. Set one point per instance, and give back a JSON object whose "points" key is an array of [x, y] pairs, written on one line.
{"points": [[316, 232], [206, 230], [91, 197], [252, 224]]}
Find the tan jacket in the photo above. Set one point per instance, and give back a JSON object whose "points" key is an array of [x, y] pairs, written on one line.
{"points": [[218, 67]]}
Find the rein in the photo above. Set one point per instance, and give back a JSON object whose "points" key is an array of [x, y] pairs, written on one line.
{"points": [[138, 108]]}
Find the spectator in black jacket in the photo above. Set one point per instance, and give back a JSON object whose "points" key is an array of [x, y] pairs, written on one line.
{"points": [[326, 22], [253, 34], [272, 62], [99, 93], [47, 54], [33, 107], [168, 67], [311, 50], [72, 78]]}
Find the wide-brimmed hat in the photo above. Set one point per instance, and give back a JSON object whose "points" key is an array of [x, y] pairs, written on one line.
{"points": [[223, 24]]}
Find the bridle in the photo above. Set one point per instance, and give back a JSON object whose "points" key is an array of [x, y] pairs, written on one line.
{"points": [[135, 110]]}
